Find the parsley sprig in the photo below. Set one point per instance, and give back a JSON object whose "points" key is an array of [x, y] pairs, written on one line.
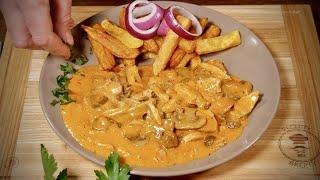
{"points": [[61, 92], [76, 57], [114, 171], [50, 166]]}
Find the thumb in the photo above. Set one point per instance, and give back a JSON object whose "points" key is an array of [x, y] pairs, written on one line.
{"points": [[62, 21]]}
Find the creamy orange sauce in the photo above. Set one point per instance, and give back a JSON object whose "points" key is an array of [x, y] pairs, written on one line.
{"points": [[137, 135]]}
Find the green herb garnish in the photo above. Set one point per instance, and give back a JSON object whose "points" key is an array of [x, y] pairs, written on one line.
{"points": [[76, 57], [81, 60], [67, 69], [114, 170], [61, 92], [50, 166]]}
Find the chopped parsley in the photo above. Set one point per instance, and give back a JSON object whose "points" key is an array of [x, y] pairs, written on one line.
{"points": [[76, 57], [61, 92]]}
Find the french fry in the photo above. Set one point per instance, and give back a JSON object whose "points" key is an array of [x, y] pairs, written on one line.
{"points": [[122, 35], [212, 31], [189, 45], [111, 43], [98, 27], [205, 46], [186, 58], [150, 45], [195, 61], [159, 40], [122, 18], [149, 55], [168, 46], [176, 57], [128, 62], [133, 75], [104, 56]]}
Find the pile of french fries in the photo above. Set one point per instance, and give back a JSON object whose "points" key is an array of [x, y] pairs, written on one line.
{"points": [[110, 41]]}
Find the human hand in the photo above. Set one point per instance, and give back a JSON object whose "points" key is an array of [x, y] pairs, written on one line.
{"points": [[39, 24]]}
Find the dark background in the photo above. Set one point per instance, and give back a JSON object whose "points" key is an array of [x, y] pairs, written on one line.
{"points": [[315, 6]]}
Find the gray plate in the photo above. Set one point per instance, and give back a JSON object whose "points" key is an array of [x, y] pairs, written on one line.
{"points": [[250, 61]]}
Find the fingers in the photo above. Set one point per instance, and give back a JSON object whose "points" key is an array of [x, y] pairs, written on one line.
{"points": [[62, 21], [15, 23], [38, 21]]}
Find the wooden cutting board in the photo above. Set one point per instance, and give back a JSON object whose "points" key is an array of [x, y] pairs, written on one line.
{"points": [[289, 33]]}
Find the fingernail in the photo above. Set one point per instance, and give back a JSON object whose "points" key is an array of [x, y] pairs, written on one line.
{"points": [[69, 38]]}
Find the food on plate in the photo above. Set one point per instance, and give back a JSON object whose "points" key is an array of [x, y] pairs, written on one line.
{"points": [[122, 18], [114, 45], [173, 111], [157, 121], [122, 35], [186, 58], [104, 56], [189, 45], [209, 45], [168, 46], [212, 31], [176, 57]]}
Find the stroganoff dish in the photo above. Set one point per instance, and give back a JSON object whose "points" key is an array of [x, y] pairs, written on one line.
{"points": [[155, 121], [176, 110]]}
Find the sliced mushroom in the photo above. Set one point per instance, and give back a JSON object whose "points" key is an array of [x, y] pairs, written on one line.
{"points": [[101, 124], [196, 124], [169, 139], [192, 137], [97, 99], [209, 140], [132, 129]]}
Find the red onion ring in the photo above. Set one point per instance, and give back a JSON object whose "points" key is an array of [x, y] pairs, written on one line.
{"points": [[170, 21], [133, 29], [152, 14]]}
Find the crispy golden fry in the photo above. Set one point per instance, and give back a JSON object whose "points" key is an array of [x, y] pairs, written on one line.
{"points": [[98, 27], [189, 45], [111, 43], [149, 55], [205, 46], [128, 62], [122, 18], [176, 57], [168, 46], [186, 58], [104, 56], [150, 45], [217, 72], [159, 40], [195, 61], [212, 31], [203, 22], [133, 75], [122, 35]]}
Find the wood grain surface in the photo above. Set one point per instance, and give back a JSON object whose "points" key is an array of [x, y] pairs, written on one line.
{"points": [[14, 70], [305, 54], [263, 160]]}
